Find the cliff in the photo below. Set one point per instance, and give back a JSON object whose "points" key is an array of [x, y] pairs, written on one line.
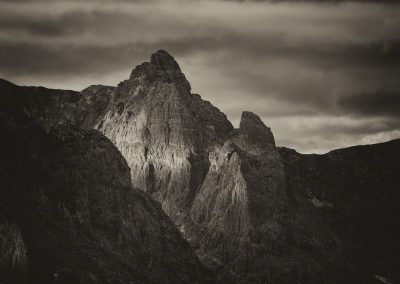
{"points": [[253, 212], [164, 131], [69, 214]]}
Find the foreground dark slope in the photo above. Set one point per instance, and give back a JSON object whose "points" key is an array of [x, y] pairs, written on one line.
{"points": [[68, 212], [254, 213]]}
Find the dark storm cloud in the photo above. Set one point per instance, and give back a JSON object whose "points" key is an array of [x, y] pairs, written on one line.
{"points": [[64, 59], [379, 103], [44, 25], [42, 59], [67, 23], [296, 65]]}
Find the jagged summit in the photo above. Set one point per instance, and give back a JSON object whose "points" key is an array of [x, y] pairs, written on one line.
{"points": [[162, 67], [255, 130], [164, 59], [253, 212], [251, 115]]}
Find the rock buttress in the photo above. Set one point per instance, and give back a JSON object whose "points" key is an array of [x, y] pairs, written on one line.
{"points": [[163, 131]]}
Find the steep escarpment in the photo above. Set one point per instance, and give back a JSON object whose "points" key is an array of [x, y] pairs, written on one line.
{"points": [[164, 131], [243, 221], [229, 191], [254, 213], [69, 214], [238, 214], [224, 188]]}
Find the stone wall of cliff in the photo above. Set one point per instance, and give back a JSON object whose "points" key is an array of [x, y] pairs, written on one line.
{"points": [[164, 131], [69, 213], [253, 212]]}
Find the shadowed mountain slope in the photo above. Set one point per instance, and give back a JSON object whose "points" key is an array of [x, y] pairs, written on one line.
{"points": [[68, 211], [253, 212], [354, 193]]}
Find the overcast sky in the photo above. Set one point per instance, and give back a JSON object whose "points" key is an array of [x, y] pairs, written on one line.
{"points": [[322, 74]]}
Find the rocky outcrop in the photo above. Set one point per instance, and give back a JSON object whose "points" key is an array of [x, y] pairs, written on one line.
{"points": [[164, 131], [255, 133], [69, 214], [93, 105], [224, 189], [229, 191], [253, 212], [237, 216]]}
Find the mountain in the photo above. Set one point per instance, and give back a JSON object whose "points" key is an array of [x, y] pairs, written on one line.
{"points": [[68, 211], [164, 132], [253, 212]]}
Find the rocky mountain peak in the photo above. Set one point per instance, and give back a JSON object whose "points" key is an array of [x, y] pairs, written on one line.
{"points": [[254, 130], [254, 213], [164, 59], [163, 68]]}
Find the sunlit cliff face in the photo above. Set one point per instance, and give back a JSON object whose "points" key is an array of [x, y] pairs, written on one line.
{"points": [[321, 74]]}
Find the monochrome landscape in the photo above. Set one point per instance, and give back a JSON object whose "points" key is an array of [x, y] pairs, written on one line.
{"points": [[142, 180]]}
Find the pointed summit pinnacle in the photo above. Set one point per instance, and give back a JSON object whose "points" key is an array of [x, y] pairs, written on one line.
{"points": [[162, 67], [256, 132], [163, 59]]}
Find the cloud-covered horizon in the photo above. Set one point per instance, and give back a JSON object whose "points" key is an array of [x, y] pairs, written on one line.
{"points": [[321, 75]]}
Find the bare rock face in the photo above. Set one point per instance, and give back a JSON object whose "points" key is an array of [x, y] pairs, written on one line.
{"points": [[93, 104], [161, 68], [222, 188], [238, 214], [253, 212], [69, 214], [163, 131], [255, 132], [229, 191]]}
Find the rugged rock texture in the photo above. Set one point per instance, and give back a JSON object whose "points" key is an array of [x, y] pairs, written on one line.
{"points": [[254, 213], [224, 189], [255, 133], [229, 191], [237, 216], [69, 214], [13, 258], [164, 131]]}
